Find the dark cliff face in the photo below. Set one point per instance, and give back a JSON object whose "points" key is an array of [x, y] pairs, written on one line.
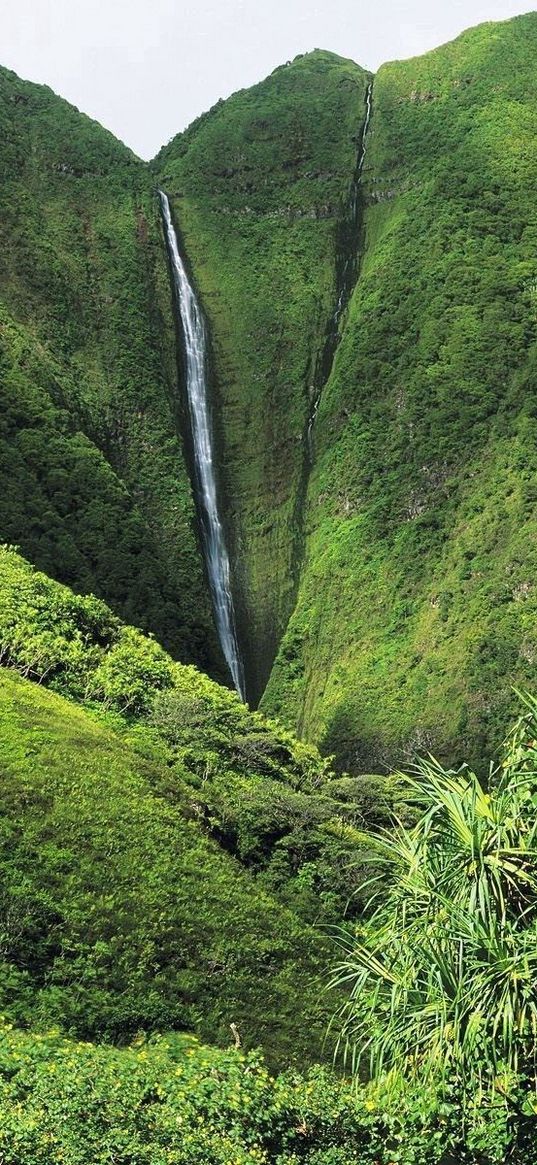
{"points": [[93, 485], [260, 188]]}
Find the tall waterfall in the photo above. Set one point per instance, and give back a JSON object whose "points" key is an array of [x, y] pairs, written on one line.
{"points": [[214, 545]]}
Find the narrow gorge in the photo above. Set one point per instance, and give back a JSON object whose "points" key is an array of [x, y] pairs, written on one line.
{"points": [[331, 560], [348, 241], [265, 191], [348, 245]]}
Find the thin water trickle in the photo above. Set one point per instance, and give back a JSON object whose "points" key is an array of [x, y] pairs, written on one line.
{"points": [[214, 544], [363, 147], [348, 274]]}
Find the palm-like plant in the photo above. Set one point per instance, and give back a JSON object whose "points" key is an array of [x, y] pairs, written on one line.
{"points": [[441, 982]]}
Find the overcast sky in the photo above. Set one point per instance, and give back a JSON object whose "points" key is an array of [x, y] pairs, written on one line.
{"points": [[146, 68]]}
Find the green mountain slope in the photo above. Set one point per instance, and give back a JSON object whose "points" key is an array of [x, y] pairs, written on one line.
{"points": [[93, 484], [260, 188], [417, 603]]}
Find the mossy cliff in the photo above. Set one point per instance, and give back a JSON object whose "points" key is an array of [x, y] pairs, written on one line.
{"points": [[260, 188], [417, 603], [93, 484]]}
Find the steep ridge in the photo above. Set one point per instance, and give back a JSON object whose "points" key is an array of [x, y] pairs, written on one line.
{"points": [[102, 866], [261, 191], [93, 482], [417, 603]]}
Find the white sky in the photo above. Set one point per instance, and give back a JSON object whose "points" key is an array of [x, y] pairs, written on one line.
{"points": [[146, 68]]}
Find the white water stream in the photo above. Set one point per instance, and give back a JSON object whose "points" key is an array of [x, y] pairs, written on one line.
{"points": [[348, 275], [214, 543]]}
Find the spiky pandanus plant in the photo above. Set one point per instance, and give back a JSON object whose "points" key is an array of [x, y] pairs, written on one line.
{"points": [[441, 982]]}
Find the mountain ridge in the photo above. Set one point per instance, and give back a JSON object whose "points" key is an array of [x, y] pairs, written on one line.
{"points": [[444, 182], [94, 483]]}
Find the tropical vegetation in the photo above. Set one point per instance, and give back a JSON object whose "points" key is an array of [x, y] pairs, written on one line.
{"points": [[93, 480], [441, 977], [261, 189], [183, 875]]}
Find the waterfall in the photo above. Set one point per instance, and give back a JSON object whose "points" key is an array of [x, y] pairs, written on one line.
{"points": [[363, 144], [347, 276], [214, 544]]}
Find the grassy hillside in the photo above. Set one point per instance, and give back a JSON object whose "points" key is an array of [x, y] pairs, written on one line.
{"points": [[260, 188], [121, 917], [417, 603], [93, 484]]}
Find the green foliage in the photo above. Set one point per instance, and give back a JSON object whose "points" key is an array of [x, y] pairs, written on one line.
{"points": [[441, 979], [274, 804], [131, 672], [163, 851], [168, 1101], [117, 913], [93, 483], [416, 609], [171, 1101], [285, 835]]}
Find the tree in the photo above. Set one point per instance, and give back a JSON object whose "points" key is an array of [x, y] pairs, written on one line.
{"points": [[441, 979]]}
